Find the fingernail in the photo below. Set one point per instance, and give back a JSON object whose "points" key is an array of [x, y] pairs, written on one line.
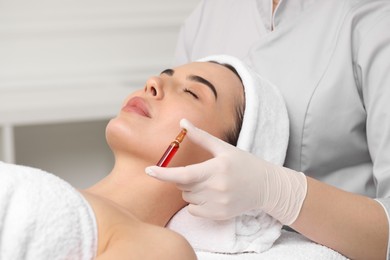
{"points": [[149, 171]]}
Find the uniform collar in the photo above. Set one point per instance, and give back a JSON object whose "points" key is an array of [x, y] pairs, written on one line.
{"points": [[286, 10]]}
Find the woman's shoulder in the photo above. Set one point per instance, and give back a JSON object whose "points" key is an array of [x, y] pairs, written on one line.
{"points": [[123, 235], [111, 219], [146, 241]]}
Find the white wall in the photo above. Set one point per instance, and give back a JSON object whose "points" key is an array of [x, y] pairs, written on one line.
{"points": [[77, 42], [65, 67]]}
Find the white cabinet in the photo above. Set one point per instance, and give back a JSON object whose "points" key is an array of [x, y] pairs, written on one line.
{"points": [[66, 67]]}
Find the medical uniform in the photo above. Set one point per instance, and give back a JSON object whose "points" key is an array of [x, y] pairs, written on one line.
{"points": [[331, 61]]}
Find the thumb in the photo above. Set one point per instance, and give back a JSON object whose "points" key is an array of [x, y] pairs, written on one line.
{"points": [[178, 175], [207, 141]]}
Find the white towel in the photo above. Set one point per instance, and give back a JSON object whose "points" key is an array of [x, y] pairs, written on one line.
{"points": [[43, 217], [290, 246], [247, 233], [265, 126], [264, 132]]}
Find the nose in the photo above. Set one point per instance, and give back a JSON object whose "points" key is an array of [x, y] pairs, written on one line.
{"points": [[154, 88]]}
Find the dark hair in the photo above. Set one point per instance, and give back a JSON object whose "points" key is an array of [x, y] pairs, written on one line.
{"points": [[233, 134]]}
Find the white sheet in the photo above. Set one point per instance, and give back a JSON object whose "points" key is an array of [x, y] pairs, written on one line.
{"points": [[289, 246]]}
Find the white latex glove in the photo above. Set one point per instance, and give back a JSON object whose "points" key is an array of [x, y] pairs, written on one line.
{"points": [[234, 182]]}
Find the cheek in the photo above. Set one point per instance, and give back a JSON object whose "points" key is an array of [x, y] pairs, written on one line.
{"points": [[190, 153], [210, 123], [202, 116]]}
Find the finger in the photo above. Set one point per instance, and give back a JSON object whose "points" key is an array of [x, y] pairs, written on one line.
{"points": [[180, 175], [206, 211], [192, 198], [193, 187], [201, 210], [204, 139]]}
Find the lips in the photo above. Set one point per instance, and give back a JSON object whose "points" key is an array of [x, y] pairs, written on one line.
{"points": [[137, 105]]}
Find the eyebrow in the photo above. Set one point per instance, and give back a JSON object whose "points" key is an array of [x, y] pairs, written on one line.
{"points": [[169, 72], [195, 78]]}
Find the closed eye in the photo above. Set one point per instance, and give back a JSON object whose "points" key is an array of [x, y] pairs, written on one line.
{"points": [[191, 93]]}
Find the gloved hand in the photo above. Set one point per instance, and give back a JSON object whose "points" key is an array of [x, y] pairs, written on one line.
{"points": [[234, 181]]}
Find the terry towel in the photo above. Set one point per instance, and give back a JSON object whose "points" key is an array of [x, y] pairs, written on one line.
{"points": [[264, 132], [246, 233], [43, 217], [290, 246]]}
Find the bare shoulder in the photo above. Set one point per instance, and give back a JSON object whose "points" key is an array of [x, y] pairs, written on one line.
{"points": [[123, 236], [148, 242]]}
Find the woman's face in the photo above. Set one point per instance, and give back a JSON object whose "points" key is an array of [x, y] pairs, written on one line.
{"points": [[207, 94]]}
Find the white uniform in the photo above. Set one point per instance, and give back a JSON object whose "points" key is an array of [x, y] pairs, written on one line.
{"points": [[331, 61]]}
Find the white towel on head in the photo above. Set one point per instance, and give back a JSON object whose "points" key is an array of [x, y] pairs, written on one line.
{"points": [[43, 217], [264, 132], [265, 126]]}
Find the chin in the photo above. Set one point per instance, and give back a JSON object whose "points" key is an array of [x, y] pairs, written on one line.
{"points": [[130, 141], [117, 134]]}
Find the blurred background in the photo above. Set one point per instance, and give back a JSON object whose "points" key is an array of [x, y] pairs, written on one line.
{"points": [[65, 68]]}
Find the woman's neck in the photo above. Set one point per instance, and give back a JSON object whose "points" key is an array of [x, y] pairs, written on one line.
{"points": [[148, 199]]}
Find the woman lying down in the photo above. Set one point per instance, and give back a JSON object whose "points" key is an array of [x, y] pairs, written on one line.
{"points": [[123, 216]]}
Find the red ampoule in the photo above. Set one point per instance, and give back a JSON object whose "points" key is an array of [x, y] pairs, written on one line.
{"points": [[172, 149]]}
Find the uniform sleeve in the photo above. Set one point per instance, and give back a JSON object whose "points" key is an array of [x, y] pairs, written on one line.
{"points": [[373, 76], [187, 35]]}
